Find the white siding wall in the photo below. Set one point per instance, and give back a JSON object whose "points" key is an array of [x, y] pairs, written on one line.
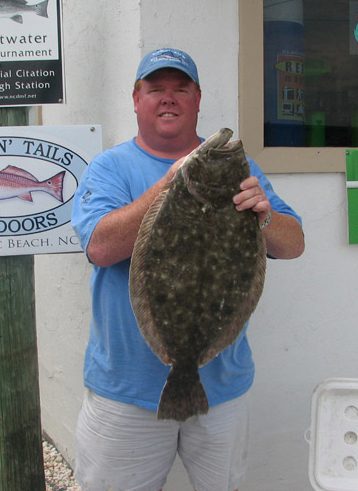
{"points": [[304, 329]]}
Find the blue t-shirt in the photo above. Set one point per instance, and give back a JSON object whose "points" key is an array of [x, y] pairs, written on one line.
{"points": [[119, 365]]}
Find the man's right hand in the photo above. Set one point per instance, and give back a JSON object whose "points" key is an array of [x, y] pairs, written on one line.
{"points": [[173, 169]]}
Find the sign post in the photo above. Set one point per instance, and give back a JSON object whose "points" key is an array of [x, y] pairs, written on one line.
{"points": [[21, 458]]}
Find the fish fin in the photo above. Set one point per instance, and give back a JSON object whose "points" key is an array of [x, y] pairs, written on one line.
{"points": [[154, 208], [138, 283], [25, 197], [146, 226], [41, 9], [17, 18], [54, 185], [12, 169], [183, 395]]}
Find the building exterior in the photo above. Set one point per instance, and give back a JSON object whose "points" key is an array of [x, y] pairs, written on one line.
{"points": [[304, 329]]}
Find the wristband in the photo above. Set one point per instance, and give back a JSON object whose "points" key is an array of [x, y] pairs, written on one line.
{"points": [[266, 222]]}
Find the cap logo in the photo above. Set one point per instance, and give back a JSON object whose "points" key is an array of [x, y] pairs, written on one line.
{"points": [[167, 56]]}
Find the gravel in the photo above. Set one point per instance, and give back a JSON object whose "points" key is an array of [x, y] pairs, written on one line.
{"points": [[58, 474]]}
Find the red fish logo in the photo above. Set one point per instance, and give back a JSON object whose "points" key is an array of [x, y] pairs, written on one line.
{"points": [[18, 183]]}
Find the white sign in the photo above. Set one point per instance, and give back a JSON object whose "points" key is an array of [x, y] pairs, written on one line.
{"points": [[40, 168], [31, 61], [29, 31]]}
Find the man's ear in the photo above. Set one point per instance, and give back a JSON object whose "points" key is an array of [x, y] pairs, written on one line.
{"points": [[198, 99], [135, 97]]}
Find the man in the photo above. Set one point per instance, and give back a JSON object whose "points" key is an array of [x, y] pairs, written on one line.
{"points": [[120, 443]]}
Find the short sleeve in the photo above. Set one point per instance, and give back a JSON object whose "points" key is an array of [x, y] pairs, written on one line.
{"points": [[103, 188]]}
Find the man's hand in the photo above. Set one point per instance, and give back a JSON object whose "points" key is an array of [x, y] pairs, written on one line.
{"points": [[174, 169], [284, 236], [253, 197]]}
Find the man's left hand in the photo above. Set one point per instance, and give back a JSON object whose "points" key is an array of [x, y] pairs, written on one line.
{"points": [[253, 197]]}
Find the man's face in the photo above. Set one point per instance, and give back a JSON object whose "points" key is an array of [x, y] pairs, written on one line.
{"points": [[167, 106]]}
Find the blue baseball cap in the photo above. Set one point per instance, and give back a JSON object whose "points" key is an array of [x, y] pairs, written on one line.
{"points": [[167, 58]]}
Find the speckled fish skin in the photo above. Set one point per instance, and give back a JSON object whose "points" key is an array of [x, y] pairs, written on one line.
{"points": [[197, 270]]}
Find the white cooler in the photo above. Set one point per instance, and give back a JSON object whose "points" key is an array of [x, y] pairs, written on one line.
{"points": [[333, 436]]}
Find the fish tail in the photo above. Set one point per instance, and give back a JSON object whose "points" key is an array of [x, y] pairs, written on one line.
{"points": [[41, 9], [183, 395], [54, 185]]}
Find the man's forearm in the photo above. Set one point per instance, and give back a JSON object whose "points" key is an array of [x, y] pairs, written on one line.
{"points": [[114, 236], [284, 237]]}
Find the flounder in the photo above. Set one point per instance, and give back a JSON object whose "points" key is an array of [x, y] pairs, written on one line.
{"points": [[197, 270]]}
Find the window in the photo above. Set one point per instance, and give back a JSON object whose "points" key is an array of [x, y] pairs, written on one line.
{"points": [[298, 90]]}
